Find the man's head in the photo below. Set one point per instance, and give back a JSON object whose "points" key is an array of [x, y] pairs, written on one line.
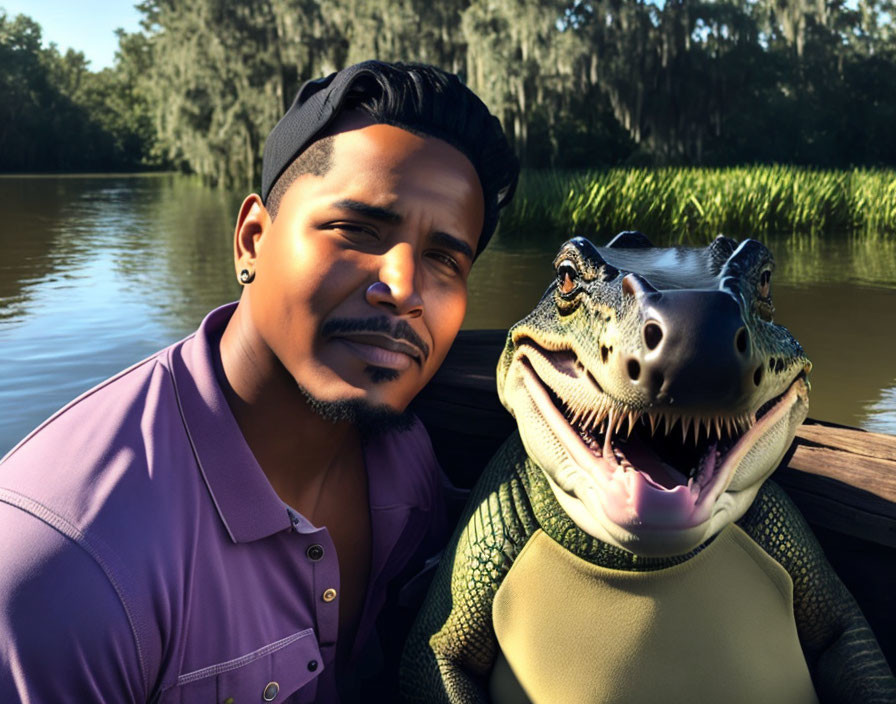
{"points": [[379, 190], [418, 98]]}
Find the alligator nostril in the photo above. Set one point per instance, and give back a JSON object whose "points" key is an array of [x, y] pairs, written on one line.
{"points": [[634, 369], [742, 341], [757, 375], [604, 353], [653, 335]]}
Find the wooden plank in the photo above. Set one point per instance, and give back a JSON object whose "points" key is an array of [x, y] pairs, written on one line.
{"points": [[861, 443], [840, 507], [872, 474]]}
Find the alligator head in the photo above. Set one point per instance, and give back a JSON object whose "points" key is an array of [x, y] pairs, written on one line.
{"points": [[653, 388]]}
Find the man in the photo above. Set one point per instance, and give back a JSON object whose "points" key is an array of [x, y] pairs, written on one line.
{"points": [[220, 522]]}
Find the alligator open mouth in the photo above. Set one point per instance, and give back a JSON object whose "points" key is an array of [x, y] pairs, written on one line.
{"points": [[655, 466]]}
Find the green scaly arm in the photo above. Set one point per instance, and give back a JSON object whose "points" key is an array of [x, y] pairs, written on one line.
{"points": [[452, 646], [844, 658]]}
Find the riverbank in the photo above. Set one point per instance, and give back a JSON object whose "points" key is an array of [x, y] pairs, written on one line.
{"points": [[693, 205]]}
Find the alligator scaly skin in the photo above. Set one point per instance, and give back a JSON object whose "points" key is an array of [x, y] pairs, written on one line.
{"points": [[677, 342], [453, 647]]}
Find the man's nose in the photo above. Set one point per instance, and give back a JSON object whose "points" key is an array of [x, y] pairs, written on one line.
{"points": [[397, 287]]}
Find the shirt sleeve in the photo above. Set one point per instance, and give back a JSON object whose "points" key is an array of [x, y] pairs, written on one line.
{"points": [[64, 633]]}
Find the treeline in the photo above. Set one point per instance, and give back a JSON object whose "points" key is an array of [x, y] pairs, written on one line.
{"points": [[577, 83], [57, 115]]}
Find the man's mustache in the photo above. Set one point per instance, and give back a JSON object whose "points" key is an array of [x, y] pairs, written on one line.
{"points": [[399, 331]]}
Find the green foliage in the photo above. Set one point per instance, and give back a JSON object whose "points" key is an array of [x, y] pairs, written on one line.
{"points": [[576, 83], [693, 205], [59, 116]]}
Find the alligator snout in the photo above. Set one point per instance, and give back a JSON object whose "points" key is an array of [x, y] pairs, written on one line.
{"points": [[694, 350]]}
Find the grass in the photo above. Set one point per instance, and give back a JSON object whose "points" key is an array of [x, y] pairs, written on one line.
{"points": [[693, 205]]}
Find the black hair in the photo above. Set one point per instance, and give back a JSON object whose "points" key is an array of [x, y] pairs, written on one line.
{"points": [[428, 101], [316, 160]]}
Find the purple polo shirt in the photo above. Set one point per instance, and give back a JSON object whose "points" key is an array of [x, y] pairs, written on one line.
{"points": [[145, 556]]}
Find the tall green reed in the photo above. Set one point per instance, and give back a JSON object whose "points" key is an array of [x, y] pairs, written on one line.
{"points": [[693, 205]]}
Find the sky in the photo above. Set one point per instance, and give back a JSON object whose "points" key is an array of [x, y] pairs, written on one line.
{"points": [[87, 26]]}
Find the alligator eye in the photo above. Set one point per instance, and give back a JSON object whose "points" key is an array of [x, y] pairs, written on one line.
{"points": [[765, 284], [567, 277]]}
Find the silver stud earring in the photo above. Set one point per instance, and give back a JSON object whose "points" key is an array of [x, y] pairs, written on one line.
{"points": [[246, 276]]}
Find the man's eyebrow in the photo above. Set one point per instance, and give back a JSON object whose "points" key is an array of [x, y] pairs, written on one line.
{"points": [[452, 243], [371, 211]]}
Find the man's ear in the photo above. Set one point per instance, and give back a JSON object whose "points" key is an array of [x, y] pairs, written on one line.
{"points": [[251, 224]]}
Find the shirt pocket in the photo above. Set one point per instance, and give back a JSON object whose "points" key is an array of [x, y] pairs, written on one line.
{"points": [[270, 674]]}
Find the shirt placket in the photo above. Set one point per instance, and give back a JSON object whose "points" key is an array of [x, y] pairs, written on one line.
{"points": [[320, 553]]}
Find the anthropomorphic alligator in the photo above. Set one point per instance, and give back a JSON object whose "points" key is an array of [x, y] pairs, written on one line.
{"points": [[626, 545]]}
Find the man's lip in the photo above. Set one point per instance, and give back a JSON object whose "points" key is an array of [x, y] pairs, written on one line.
{"points": [[384, 342]]}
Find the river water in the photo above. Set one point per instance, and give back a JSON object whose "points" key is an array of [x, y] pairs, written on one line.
{"points": [[98, 272]]}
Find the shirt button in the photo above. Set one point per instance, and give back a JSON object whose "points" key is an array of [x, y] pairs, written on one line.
{"points": [[270, 691], [329, 595], [314, 552], [312, 665]]}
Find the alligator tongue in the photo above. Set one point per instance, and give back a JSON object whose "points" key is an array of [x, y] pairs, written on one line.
{"points": [[642, 457]]}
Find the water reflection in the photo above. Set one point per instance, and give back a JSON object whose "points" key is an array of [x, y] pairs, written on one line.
{"points": [[882, 412], [99, 272]]}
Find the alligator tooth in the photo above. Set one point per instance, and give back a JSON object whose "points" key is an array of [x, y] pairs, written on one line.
{"points": [[718, 426], [597, 411], [652, 419], [632, 418], [669, 422], [587, 417], [611, 426], [685, 426]]}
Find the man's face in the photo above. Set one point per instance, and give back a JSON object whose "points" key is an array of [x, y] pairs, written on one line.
{"points": [[361, 279]]}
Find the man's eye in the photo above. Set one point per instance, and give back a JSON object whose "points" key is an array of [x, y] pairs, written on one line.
{"points": [[446, 260], [355, 230]]}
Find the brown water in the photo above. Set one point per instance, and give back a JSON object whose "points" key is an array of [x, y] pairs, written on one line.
{"points": [[99, 272]]}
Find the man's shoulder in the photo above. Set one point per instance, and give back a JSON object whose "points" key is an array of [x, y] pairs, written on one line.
{"points": [[96, 503], [105, 406], [104, 457]]}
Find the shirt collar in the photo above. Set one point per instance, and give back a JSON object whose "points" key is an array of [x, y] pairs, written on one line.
{"points": [[246, 502]]}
